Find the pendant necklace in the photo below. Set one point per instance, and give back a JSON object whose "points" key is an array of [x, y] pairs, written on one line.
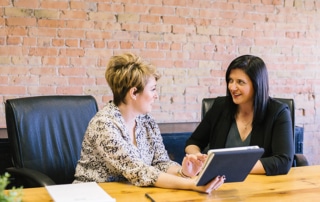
{"points": [[246, 125]]}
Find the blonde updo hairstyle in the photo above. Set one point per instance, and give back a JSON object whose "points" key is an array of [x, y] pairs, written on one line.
{"points": [[126, 71]]}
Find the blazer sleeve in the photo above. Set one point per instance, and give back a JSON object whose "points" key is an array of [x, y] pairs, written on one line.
{"points": [[205, 131], [278, 143]]}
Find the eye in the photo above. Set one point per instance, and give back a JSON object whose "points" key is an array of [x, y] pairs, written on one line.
{"points": [[154, 88], [241, 82]]}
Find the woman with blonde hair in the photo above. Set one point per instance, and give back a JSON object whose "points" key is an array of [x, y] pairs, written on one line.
{"points": [[123, 142]]}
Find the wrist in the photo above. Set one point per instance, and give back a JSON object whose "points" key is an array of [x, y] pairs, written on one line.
{"points": [[181, 174]]}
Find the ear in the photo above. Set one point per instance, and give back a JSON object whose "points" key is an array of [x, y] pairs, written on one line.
{"points": [[133, 92]]}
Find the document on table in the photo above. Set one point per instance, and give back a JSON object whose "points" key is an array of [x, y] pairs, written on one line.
{"points": [[81, 192]]}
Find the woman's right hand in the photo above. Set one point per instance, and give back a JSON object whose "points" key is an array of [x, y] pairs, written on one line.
{"points": [[211, 186]]}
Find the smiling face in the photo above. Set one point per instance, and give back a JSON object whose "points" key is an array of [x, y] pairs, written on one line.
{"points": [[240, 87], [146, 98]]}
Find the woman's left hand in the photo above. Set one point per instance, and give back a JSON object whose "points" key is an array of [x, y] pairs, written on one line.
{"points": [[192, 164]]}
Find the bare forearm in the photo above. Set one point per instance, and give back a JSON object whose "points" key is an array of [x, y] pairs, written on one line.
{"points": [[173, 170], [258, 168], [170, 181], [166, 180]]}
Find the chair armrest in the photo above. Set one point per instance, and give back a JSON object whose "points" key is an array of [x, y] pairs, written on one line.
{"points": [[30, 178], [300, 160]]}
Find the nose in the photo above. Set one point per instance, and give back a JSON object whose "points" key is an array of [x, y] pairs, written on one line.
{"points": [[156, 96], [233, 86]]}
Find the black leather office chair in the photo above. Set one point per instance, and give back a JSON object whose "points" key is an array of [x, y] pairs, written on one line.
{"points": [[45, 136], [299, 159]]}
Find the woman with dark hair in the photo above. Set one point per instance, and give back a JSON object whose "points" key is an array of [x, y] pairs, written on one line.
{"points": [[248, 116]]}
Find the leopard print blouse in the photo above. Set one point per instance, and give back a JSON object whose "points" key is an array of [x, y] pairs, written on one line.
{"points": [[108, 155]]}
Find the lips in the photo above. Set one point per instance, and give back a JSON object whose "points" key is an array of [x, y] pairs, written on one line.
{"points": [[236, 94]]}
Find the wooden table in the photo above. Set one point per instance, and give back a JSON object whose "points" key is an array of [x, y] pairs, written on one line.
{"points": [[301, 184]]}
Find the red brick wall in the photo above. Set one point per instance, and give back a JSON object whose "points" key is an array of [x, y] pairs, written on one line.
{"points": [[62, 47]]}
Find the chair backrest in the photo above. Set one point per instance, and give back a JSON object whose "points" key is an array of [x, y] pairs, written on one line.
{"points": [[290, 103], [208, 102], [46, 132], [206, 105]]}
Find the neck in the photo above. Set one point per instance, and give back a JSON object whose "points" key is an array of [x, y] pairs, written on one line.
{"points": [[129, 120], [245, 115], [244, 110], [128, 114]]}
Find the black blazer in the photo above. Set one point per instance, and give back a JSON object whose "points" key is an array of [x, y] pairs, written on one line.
{"points": [[274, 134]]}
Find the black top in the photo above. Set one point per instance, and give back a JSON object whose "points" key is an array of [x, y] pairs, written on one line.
{"points": [[234, 139], [274, 134]]}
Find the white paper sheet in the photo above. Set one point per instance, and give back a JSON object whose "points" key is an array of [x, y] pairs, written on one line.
{"points": [[81, 192]]}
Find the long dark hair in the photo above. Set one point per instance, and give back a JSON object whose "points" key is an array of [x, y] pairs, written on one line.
{"points": [[256, 70]]}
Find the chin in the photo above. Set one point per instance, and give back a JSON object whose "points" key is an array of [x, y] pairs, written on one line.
{"points": [[236, 101], [146, 111]]}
